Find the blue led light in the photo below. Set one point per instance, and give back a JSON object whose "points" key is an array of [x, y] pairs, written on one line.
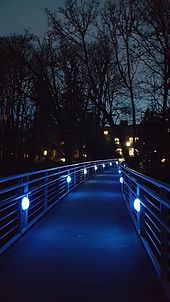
{"points": [[121, 179], [68, 179], [103, 165], [136, 204], [85, 171], [110, 164], [116, 162], [25, 203], [95, 167], [119, 171]]}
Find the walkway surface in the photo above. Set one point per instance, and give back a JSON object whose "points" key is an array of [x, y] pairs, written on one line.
{"points": [[84, 249]]}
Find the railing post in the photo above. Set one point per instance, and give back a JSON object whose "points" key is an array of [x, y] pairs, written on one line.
{"points": [[58, 186], [164, 237], [20, 193], [68, 183], [85, 172], [24, 213], [74, 176], [46, 191], [140, 214]]}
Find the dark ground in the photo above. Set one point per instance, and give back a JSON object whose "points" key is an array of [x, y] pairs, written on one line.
{"points": [[84, 250]]}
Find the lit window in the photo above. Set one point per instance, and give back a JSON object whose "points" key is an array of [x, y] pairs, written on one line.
{"points": [[116, 140], [131, 151], [119, 151], [128, 144], [45, 152], [131, 139], [105, 132], [63, 159]]}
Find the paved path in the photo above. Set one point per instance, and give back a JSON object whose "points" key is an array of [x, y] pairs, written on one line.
{"points": [[84, 250]]}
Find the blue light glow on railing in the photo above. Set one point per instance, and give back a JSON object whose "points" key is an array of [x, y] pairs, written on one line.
{"points": [[41, 186], [136, 204], [25, 203], [68, 179], [121, 180]]}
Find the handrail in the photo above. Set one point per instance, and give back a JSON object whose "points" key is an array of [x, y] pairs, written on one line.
{"points": [[148, 202], [43, 189], [6, 178]]}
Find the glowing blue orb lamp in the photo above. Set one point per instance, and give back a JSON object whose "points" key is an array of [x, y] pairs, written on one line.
{"points": [[25, 203], [121, 180], [68, 179], [136, 204]]}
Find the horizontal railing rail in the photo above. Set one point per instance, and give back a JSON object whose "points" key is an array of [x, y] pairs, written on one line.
{"points": [[26, 197], [148, 201]]}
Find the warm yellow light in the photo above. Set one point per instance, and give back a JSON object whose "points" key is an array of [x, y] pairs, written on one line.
{"points": [[119, 151], [45, 152], [116, 140], [128, 144], [63, 159], [131, 151], [106, 132], [163, 160], [85, 155]]}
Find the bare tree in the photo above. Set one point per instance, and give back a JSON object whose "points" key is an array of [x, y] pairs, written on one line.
{"points": [[120, 18], [16, 108], [153, 33]]}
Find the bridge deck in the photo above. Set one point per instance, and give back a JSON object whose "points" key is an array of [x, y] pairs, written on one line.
{"points": [[84, 249]]}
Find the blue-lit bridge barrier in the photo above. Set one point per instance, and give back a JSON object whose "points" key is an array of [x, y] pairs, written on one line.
{"points": [[148, 202], [25, 198]]}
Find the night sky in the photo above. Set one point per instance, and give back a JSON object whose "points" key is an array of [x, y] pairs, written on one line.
{"points": [[17, 15]]}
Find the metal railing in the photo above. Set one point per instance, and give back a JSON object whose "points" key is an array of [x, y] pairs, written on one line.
{"points": [[25, 198], [149, 204]]}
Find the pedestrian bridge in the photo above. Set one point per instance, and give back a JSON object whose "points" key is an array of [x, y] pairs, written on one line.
{"points": [[77, 233]]}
